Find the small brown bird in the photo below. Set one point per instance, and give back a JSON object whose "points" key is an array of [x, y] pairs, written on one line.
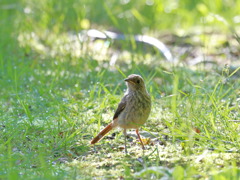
{"points": [[132, 111]]}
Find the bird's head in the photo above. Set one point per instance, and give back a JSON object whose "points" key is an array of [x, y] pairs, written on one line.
{"points": [[135, 82]]}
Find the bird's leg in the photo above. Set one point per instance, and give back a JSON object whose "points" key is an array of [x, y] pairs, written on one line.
{"points": [[140, 138], [125, 139]]}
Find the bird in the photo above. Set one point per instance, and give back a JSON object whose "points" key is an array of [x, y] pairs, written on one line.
{"points": [[132, 111]]}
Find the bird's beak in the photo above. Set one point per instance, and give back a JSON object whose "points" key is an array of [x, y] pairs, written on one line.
{"points": [[129, 80]]}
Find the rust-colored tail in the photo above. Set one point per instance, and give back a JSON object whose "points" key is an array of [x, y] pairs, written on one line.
{"points": [[102, 133]]}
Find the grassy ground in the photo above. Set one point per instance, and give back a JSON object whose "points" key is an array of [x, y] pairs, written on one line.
{"points": [[57, 94]]}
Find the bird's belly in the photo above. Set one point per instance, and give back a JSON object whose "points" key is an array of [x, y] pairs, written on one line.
{"points": [[133, 117]]}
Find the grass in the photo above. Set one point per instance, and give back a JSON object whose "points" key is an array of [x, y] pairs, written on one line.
{"points": [[55, 97]]}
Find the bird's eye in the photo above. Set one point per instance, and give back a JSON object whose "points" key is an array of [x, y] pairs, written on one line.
{"points": [[138, 81]]}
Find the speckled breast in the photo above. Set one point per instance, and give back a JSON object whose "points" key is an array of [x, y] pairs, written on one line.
{"points": [[136, 112]]}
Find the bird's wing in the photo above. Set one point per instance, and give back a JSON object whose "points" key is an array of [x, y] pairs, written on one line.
{"points": [[121, 107]]}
